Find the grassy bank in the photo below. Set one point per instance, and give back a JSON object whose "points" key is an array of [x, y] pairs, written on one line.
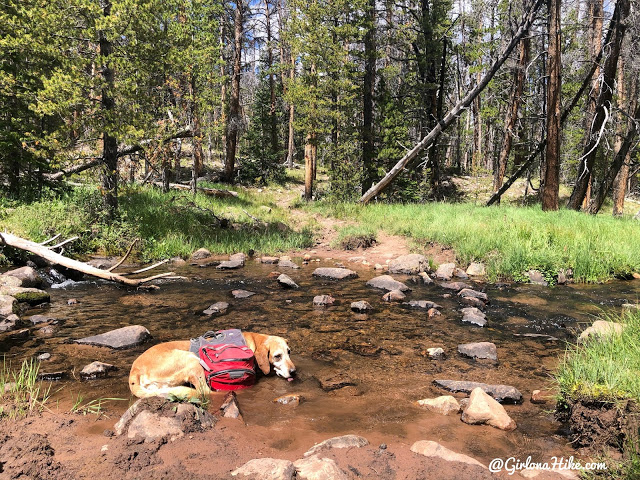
{"points": [[173, 224], [510, 240]]}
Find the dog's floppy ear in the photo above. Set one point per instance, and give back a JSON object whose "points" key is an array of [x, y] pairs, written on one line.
{"points": [[262, 357]]}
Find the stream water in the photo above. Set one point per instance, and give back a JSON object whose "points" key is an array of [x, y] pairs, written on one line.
{"points": [[383, 352]]}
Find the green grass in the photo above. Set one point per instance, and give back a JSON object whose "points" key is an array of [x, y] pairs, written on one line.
{"points": [[353, 237], [21, 392], [91, 407], [173, 224], [509, 240], [604, 368]]}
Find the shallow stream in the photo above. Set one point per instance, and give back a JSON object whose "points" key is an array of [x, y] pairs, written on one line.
{"points": [[383, 353]]}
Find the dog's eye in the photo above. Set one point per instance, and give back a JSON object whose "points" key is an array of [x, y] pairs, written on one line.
{"points": [[278, 357]]}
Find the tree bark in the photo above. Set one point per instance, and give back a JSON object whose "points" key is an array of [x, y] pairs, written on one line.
{"points": [[457, 110], [551, 182], [587, 160], [620, 184], [512, 115], [273, 119], [368, 144], [234, 120], [109, 141], [291, 143]]}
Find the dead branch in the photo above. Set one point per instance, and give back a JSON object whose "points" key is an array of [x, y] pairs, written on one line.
{"points": [[51, 239], [129, 250], [186, 133], [161, 262], [50, 255], [68, 240], [70, 171]]}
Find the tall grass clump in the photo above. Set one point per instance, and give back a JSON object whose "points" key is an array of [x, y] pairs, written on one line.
{"points": [[354, 237], [172, 224], [21, 392], [605, 368], [511, 240]]}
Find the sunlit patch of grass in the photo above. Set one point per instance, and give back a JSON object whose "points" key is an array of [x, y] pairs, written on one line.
{"points": [[21, 392], [91, 407], [354, 237]]}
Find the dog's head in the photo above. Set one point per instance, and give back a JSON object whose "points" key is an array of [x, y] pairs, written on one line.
{"points": [[273, 350]]}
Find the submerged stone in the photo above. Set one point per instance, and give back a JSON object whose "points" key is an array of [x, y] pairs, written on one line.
{"points": [[120, 338], [502, 393], [334, 273], [387, 282]]}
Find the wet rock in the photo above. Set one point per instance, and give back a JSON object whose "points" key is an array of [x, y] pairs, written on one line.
{"points": [[436, 353], [274, 274], [32, 296], [230, 407], [377, 266], [455, 286], [39, 319], [483, 409], [230, 264], [121, 338], [19, 335], [476, 270], [266, 469], [323, 300], [43, 357], [28, 277], [470, 293], [444, 405], [561, 279], [393, 296], [96, 370], [387, 282], [286, 263], [10, 322], [445, 271], [335, 381], [178, 262], [422, 304], [239, 293], [535, 276], [502, 393], [433, 312], [291, 399], [344, 441], [72, 301], [426, 279], [286, 281], [411, 264], [200, 254], [269, 260], [216, 308], [481, 350], [334, 273], [542, 396], [429, 448], [601, 328], [51, 376], [473, 302], [361, 307], [474, 316], [48, 330], [239, 257], [153, 426], [459, 273], [316, 468]]}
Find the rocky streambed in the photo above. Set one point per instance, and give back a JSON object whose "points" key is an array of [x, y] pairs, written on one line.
{"points": [[375, 351]]}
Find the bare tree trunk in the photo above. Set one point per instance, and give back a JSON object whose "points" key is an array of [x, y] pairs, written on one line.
{"points": [[551, 185], [512, 115], [458, 109], [620, 185], [110, 143], [476, 157], [273, 120], [291, 144], [587, 160], [368, 147], [223, 97], [233, 122]]}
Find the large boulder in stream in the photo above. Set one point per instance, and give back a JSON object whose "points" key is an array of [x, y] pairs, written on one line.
{"points": [[118, 339], [411, 264], [502, 393], [32, 296], [483, 409], [479, 350], [8, 305], [334, 273], [27, 276], [388, 283]]}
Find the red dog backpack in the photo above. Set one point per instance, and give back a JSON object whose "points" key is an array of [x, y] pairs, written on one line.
{"points": [[228, 366]]}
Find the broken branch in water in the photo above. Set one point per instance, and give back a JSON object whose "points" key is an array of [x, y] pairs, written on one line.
{"points": [[125, 256], [48, 254]]}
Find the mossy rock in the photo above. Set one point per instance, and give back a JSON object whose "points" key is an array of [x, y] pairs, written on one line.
{"points": [[32, 296]]}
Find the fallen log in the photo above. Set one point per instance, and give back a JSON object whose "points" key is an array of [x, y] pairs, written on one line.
{"points": [[214, 192], [47, 254]]}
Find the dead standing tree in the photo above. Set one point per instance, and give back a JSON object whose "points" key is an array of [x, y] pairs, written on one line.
{"points": [[430, 138]]}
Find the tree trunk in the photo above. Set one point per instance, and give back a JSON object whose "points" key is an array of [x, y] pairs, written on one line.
{"points": [[308, 166], [457, 110], [273, 119], [109, 141], [368, 147], [512, 115], [234, 120], [551, 185], [620, 184], [223, 97], [587, 160], [291, 144]]}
